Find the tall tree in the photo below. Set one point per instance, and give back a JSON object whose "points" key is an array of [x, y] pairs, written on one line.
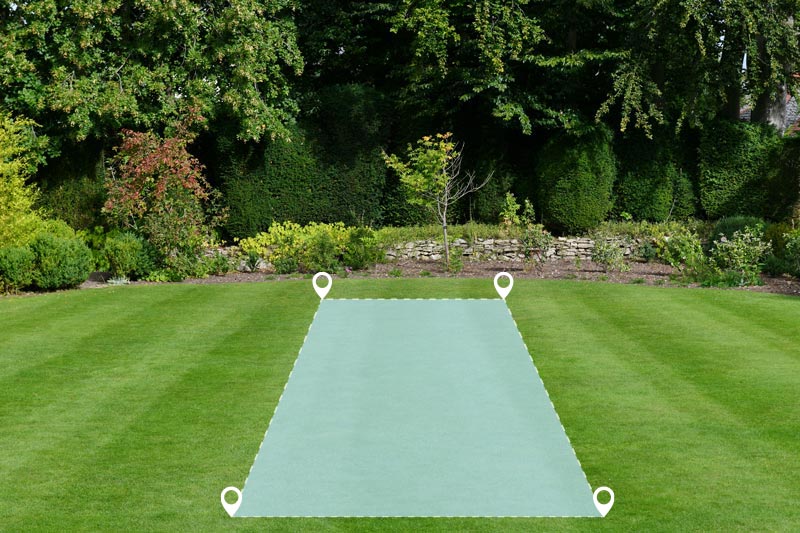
{"points": [[86, 68], [684, 62]]}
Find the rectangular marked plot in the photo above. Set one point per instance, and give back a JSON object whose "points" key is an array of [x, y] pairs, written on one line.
{"points": [[415, 408]]}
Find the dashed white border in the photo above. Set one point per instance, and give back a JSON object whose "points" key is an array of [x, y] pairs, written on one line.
{"points": [[405, 299], [536, 371], [269, 424], [422, 516]]}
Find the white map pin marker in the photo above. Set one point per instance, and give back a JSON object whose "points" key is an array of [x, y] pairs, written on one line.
{"points": [[604, 508], [503, 291], [231, 508], [322, 292]]}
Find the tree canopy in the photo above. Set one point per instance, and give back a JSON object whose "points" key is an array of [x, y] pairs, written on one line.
{"points": [[87, 68], [333, 84]]}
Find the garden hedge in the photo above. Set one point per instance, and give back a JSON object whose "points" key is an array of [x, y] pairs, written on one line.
{"points": [[576, 176], [737, 160]]}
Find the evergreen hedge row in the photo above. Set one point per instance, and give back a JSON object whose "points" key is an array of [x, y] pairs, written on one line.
{"points": [[737, 163], [576, 177]]}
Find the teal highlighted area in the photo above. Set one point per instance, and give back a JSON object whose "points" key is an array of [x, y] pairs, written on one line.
{"points": [[415, 408]]}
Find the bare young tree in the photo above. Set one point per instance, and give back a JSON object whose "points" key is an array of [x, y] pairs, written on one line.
{"points": [[432, 177]]}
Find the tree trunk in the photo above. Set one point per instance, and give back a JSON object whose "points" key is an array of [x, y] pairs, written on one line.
{"points": [[572, 40], [770, 106], [731, 67], [446, 245], [770, 109]]}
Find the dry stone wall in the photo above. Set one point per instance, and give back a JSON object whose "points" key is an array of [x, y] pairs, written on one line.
{"points": [[569, 248], [497, 249]]}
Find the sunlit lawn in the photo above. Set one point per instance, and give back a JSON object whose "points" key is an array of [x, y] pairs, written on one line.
{"points": [[131, 408]]}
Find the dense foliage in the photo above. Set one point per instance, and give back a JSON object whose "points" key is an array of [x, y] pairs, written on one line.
{"points": [[588, 110], [86, 69], [576, 179], [290, 247], [653, 183], [60, 262], [736, 160], [157, 190], [19, 218], [16, 268]]}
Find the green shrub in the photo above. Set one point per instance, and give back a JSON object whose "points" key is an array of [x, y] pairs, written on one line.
{"points": [[280, 181], [608, 253], [95, 239], [397, 211], [576, 176], [652, 184], [792, 253], [123, 252], [362, 249], [646, 196], [20, 221], [58, 228], [251, 260], [320, 252], [776, 235], [16, 268], [218, 264], [737, 161], [777, 266], [654, 230], [60, 263], [456, 262], [279, 241], [348, 131], [76, 201], [684, 251], [488, 202], [147, 263], [536, 240], [740, 257], [659, 192], [727, 226], [783, 200], [285, 265], [389, 235], [313, 247], [646, 251], [509, 211]]}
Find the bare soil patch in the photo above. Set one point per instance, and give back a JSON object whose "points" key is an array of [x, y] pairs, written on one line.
{"points": [[640, 273]]}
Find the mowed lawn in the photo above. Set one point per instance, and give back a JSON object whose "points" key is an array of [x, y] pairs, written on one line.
{"points": [[131, 408]]}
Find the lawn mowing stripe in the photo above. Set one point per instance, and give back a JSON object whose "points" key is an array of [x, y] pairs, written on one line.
{"points": [[108, 341], [197, 422], [758, 313], [106, 374], [614, 350], [72, 323], [97, 357], [653, 344], [663, 469], [738, 360], [143, 398]]}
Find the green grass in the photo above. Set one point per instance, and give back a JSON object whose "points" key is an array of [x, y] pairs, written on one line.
{"points": [[131, 408]]}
